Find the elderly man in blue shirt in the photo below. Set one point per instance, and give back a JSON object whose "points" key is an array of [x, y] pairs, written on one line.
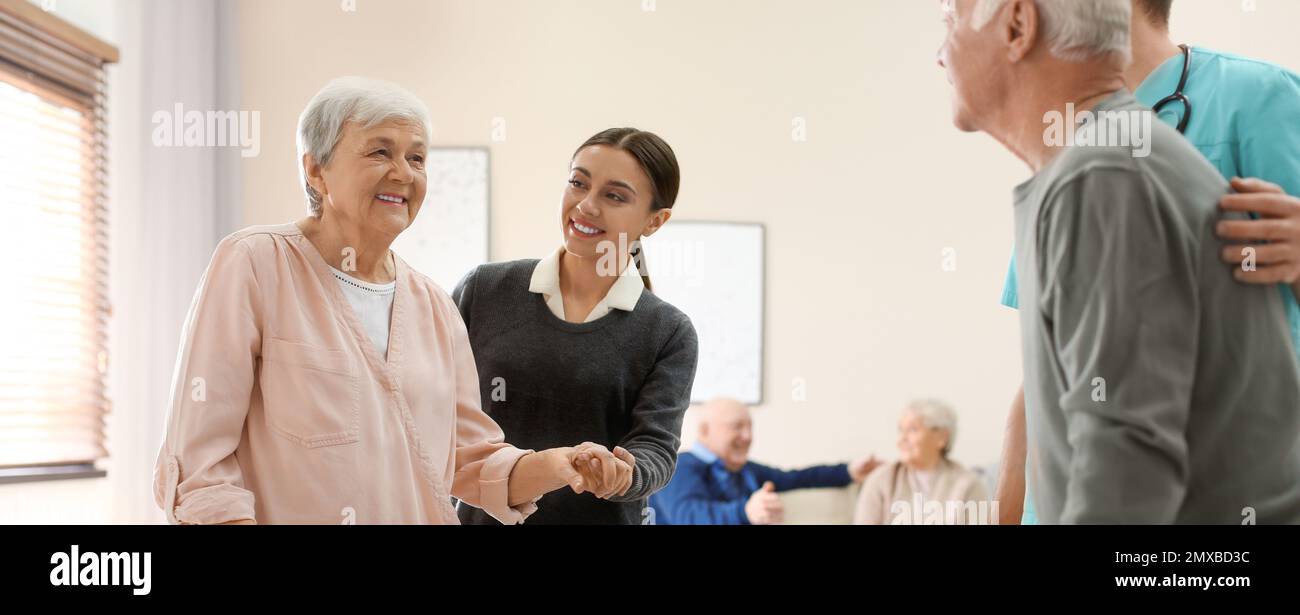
{"points": [[716, 483]]}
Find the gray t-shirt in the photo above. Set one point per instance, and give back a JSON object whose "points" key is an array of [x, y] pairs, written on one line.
{"points": [[1158, 389]]}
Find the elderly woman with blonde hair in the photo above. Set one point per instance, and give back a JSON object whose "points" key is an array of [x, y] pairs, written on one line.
{"points": [[924, 486], [320, 378]]}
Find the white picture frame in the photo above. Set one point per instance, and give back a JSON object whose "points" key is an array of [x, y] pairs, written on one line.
{"points": [[715, 272], [451, 234]]}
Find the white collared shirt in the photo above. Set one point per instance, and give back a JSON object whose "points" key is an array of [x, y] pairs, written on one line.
{"points": [[622, 296]]}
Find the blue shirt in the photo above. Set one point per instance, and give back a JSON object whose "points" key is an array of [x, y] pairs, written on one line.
{"points": [[704, 492], [1245, 120]]}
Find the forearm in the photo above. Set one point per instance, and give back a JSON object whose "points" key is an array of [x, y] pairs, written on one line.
{"points": [[815, 477], [831, 476], [537, 474], [1011, 477]]}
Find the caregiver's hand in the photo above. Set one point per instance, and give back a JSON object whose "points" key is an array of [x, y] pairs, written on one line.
{"points": [[1278, 261], [608, 474]]}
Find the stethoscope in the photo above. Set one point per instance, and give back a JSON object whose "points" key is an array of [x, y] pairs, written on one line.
{"points": [[1178, 95]]}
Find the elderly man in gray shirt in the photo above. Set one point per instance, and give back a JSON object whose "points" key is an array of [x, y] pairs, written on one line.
{"points": [[1158, 389]]}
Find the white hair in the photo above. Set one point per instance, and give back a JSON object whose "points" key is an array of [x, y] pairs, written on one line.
{"points": [[1075, 30], [367, 102], [936, 414]]}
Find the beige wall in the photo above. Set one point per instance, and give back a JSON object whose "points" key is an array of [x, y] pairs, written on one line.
{"points": [[857, 216]]}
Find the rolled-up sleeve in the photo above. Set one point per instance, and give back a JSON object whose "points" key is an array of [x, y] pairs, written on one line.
{"points": [[483, 459], [197, 479]]}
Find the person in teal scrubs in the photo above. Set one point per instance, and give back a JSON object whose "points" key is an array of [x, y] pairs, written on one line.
{"points": [[1245, 118]]}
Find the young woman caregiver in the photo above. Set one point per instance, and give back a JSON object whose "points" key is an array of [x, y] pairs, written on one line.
{"points": [[576, 348]]}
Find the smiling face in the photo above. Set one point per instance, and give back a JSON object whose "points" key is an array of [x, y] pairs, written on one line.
{"points": [[919, 445], [375, 179], [727, 430], [608, 195]]}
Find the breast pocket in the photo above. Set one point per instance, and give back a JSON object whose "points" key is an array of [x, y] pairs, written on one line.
{"points": [[311, 393], [1222, 158]]}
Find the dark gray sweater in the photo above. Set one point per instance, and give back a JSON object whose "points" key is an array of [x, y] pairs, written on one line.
{"points": [[623, 380]]}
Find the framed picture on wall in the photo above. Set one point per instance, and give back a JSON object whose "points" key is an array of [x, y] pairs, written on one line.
{"points": [[450, 235], [715, 273]]}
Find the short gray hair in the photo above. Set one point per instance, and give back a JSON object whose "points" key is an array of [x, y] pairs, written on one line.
{"points": [[1076, 30], [368, 102], [936, 414]]}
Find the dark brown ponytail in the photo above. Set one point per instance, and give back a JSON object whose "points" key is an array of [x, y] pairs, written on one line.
{"points": [[660, 165]]}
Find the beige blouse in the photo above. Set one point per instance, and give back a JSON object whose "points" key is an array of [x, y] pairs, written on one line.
{"points": [[896, 494], [283, 411]]}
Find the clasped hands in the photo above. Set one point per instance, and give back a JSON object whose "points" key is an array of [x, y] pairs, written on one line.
{"points": [[593, 468]]}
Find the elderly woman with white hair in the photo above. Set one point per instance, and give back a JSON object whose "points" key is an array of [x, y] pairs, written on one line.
{"points": [[322, 380], [924, 486]]}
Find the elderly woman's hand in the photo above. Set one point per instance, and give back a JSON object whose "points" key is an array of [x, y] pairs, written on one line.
{"points": [[607, 474]]}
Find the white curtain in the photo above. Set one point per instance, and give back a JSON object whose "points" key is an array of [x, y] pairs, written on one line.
{"points": [[170, 207]]}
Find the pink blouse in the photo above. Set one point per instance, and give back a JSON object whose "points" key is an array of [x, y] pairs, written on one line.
{"points": [[283, 411]]}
